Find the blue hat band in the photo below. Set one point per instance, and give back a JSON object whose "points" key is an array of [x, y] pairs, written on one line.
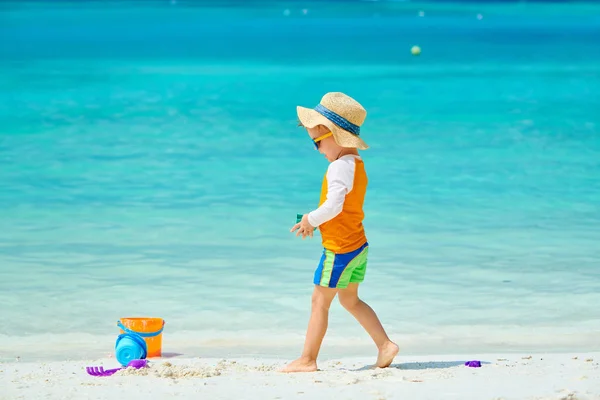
{"points": [[338, 119]]}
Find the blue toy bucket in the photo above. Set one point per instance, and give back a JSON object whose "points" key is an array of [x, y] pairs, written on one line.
{"points": [[130, 346]]}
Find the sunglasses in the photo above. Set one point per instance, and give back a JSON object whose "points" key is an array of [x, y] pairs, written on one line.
{"points": [[317, 140]]}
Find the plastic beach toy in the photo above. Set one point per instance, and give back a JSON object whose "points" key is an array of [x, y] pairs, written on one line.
{"points": [[473, 364], [99, 371], [130, 347], [149, 329]]}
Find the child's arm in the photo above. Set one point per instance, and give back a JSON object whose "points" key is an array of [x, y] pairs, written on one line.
{"points": [[340, 179]]}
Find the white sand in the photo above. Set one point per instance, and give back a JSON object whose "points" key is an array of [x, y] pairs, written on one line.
{"points": [[548, 376]]}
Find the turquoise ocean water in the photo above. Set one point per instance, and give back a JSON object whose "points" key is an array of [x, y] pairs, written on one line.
{"points": [[150, 164]]}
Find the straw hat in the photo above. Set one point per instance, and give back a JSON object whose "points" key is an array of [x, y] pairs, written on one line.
{"points": [[341, 114]]}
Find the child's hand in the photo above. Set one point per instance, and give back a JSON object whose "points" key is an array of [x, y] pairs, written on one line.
{"points": [[303, 227]]}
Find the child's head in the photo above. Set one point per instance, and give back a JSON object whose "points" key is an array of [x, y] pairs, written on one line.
{"points": [[334, 124], [325, 142]]}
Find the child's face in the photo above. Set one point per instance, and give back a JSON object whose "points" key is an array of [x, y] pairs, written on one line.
{"points": [[327, 146]]}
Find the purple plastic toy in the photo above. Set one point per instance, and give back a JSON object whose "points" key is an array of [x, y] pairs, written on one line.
{"points": [[99, 371], [473, 364]]}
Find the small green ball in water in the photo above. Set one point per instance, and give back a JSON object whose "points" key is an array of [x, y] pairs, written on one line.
{"points": [[416, 50]]}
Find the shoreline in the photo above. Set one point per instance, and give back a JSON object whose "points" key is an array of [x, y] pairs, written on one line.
{"points": [[286, 345], [506, 376]]}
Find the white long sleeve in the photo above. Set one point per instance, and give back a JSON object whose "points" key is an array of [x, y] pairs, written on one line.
{"points": [[340, 179]]}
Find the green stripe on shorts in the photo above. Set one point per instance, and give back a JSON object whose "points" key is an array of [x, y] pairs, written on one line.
{"points": [[355, 271], [327, 268]]}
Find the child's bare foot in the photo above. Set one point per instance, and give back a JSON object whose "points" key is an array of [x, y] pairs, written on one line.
{"points": [[386, 354], [300, 365]]}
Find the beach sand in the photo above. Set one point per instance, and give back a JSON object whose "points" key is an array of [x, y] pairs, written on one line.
{"points": [[514, 376]]}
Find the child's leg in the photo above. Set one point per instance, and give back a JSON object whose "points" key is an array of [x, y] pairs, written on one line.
{"points": [[368, 319], [317, 326]]}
